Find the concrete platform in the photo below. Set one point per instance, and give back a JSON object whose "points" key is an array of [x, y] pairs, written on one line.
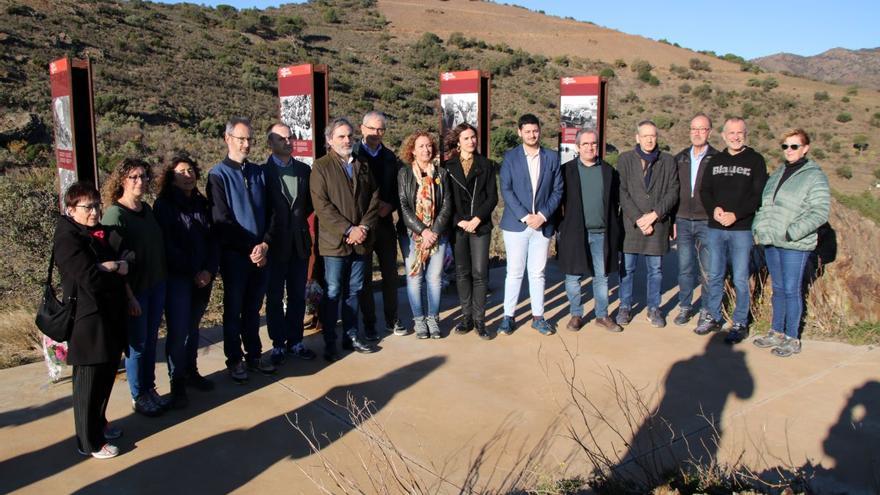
{"points": [[461, 414]]}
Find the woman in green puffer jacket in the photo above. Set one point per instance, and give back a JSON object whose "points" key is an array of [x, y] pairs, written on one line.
{"points": [[794, 205]]}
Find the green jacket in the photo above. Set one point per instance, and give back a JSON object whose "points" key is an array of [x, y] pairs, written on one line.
{"points": [[789, 218]]}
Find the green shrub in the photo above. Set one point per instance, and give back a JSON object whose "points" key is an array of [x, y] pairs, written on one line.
{"points": [[684, 88], [818, 154], [664, 122], [703, 91], [607, 73], [845, 99], [769, 84], [865, 203], [821, 96], [844, 172], [699, 65], [681, 72], [330, 16], [852, 90], [875, 120], [844, 117], [619, 63], [289, 25], [502, 139]]}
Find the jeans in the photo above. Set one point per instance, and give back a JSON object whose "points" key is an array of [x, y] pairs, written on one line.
{"points": [[733, 247], [655, 278], [693, 259], [528, 248], [385, 248], [596, 241], [431, 273], [345, 280], [244, 286], [286, 327], [143, 333], [185, 305], [472, 273], [786, 274]]}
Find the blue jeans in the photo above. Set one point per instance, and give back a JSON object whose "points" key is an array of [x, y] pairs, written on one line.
{"points": [[786, 274], [525, 250], [286, 327], [185, 305], [345, 280], [596, 242], [143, 334], [431, 273], [732, 247], [244, 286], [693, 259], [627, 274]]}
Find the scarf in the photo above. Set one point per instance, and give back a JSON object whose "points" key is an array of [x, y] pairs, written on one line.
{"points": [[425, 212], [466, 165], [650, 159]]}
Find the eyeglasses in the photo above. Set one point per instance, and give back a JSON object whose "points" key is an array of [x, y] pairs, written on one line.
{"points": [[90, 208], [699, 129], [242, 139], [135, 178], [794, 147], [589, 144], [379, 130]]}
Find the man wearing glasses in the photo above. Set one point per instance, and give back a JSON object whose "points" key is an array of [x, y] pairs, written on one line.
{"points": [[384, 164], [240, 210], [590, 217], [731, 192], [287, 189], [691, 221]]}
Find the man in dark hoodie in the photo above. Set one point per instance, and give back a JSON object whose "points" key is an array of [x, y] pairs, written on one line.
{"points": [[691, 221], [731, 193]]}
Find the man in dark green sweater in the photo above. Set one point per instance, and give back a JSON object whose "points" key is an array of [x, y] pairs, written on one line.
{"points": [[731, 193]]}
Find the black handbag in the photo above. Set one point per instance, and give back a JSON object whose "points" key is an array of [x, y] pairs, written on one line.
{"points": [[55, 318]]}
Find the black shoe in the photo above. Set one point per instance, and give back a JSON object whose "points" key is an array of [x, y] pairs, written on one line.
{"points": [[683, 317], [464, 326], [738, 332], [481, 330], [198, 382], [179, 400], [259, 364], [361, 347], [346, 344], [331, 355], [370, 333]]}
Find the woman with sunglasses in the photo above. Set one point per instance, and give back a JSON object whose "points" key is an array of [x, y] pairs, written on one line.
{"points": [[126, 210], [795, 203], [92, 269]]}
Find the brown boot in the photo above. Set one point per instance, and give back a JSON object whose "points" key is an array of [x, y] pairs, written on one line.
{"points": [[575, 323], [608, 324]]}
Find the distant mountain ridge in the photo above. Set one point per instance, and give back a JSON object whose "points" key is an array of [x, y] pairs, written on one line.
{"points": [[837, 65]]}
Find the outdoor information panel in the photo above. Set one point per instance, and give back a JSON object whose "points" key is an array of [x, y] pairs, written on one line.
{"points": [[304, 106], [582, 105], [464, 97], [74, 116]]}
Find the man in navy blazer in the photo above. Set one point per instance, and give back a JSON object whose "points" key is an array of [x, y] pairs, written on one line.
{"points": [[531, 185]]}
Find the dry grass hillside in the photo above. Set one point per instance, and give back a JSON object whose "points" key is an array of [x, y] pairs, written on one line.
{"points": [[838, 65]]}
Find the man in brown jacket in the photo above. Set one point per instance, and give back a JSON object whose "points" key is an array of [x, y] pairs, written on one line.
{"points": [[346, 201]]}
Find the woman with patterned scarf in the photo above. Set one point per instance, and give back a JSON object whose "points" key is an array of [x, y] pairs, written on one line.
{"points": [[426, 207]]}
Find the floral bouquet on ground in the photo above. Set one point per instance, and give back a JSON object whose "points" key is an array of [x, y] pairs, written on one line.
{"points": [[313, 300], [55, 355]]}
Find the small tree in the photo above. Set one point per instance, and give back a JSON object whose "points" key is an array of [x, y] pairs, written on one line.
{"points": [[697, 64]]}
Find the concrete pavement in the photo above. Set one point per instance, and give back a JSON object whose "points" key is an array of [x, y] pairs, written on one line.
{"points": [[465, 414]]}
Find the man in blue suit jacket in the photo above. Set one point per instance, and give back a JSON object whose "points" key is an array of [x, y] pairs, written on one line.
{"points": [[531, 185]]}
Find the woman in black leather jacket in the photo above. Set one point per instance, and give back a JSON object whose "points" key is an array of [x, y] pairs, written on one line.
{"points": [[474, 196], [425, 206]]}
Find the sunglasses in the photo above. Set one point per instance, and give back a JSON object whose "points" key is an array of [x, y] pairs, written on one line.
{"points": [[794, 147]]}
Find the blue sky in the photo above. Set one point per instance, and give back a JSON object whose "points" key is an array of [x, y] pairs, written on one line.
{"points": [[749, 28]]}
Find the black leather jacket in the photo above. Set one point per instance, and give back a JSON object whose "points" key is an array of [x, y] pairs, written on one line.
{"points": [[406, 189]]}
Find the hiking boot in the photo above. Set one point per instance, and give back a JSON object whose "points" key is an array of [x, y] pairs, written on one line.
{"points": [[623, 316], [259, 364], [480, 327], [707, 324], [575, 323], [163, 401], [238, 372], [506, 326], [608, 324], [300, 351], [656, 318], [772, 339], [543, 326], [144, 404], [433, 323], [277, 356], [737, 333], [179, 400], [683, 317], [464, 326], [788, 347], [199, 382], [420, 327]]}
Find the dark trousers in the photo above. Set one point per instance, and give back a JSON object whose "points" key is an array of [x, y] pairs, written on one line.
{"points": [[286, 327], [244, 286], [185, 305], [472, 272], [385, 248], [92, 385]]}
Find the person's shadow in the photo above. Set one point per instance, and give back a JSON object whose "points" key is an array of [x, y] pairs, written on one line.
{"points": [[229, 460], [686, 425], [854, 441]]}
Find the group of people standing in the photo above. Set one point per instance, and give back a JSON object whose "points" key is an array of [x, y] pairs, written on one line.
{"points": [[268, 229]]}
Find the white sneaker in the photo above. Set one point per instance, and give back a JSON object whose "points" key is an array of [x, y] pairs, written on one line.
{"points": [[108, 451]]}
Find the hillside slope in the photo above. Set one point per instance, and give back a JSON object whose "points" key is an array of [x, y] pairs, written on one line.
{"points": [[838, 65]]}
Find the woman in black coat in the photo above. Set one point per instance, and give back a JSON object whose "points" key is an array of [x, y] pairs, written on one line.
{"points": [[474, 196], [92, 270]]}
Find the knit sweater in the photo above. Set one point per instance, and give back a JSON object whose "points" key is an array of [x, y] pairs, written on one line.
{"points": [[734, 183], [143, 235], [239, 208]]}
